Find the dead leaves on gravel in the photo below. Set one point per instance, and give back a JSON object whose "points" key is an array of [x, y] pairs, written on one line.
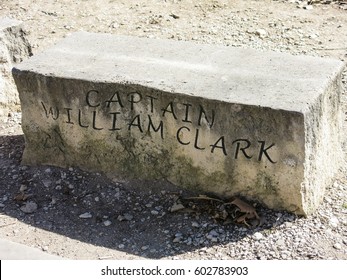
{"points": [[234, 210]]}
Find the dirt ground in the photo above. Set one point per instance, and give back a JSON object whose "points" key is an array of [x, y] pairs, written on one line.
{"points": [[81, 215]]}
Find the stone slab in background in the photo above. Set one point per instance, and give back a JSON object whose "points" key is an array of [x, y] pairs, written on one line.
{"points": [[14, 251], [263, 125], [14, 48]]}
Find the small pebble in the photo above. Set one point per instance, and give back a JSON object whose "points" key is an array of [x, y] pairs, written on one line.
{"points": [[29, 207], [334, 222], [195, 224], [258, 236], [177, 239], [86, 215], [261, 33], [23, 188]]}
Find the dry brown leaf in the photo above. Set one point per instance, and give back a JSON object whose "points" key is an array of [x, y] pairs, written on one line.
{"points": [[21, 196], [237, 210], [248, 211], [244, 207]]}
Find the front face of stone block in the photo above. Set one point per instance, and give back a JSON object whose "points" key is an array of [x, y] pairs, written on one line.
{"points": [[135, 131]]}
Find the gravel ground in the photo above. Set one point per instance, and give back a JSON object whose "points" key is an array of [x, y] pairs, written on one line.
{"points": [[81, 215]]}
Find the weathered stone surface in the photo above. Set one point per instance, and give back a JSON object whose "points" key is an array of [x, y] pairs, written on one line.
{"points": [[13, 49], [232, 121]]}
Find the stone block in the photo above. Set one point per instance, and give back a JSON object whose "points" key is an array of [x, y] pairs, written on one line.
{"points": [[13, 49], [232, 121]]}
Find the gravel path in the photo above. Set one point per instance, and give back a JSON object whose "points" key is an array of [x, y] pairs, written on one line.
{"points": [[80, 215]]}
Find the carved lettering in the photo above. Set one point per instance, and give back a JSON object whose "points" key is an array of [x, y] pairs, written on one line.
{"points": [[179, 135], [220, 144], [94, 122], [153, 119], [169, 109], [135, 97], [112, 100], [263, 151], [114, 121], [209, 122], [152, 102], [54, 113], [90, 98], [136, 122], [186, 117], [196, 146], [242, 149], [68, 115], [156, 129], [79, 119]]}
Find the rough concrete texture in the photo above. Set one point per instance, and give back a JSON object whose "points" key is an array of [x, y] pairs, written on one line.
{"points": [[232, 121], [13, 49]]}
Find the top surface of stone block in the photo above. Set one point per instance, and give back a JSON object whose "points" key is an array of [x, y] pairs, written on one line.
{"points": [[234, 75]]}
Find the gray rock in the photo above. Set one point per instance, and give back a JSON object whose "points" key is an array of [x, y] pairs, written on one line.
{"points": [[23, 188], [128, 217], [176, 207], [258, 236], [47, 183], [280, 242], [85, 215], [308, 7], [125, 217], [29, 207], [213, 233], [195, 224], [261, 33], [177, 239], [334, 222]]}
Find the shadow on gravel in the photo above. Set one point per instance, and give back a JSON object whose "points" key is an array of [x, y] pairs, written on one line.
{"points": [[125, 216]]}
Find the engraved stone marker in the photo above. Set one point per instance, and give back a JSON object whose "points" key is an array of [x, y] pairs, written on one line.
{"points": [[232, 121]]}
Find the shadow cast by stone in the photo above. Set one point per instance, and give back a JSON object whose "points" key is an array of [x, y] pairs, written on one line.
{"points": [[120, 215]]}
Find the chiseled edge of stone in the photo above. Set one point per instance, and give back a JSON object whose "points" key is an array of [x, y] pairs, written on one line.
{"points": [[329, 156]]}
